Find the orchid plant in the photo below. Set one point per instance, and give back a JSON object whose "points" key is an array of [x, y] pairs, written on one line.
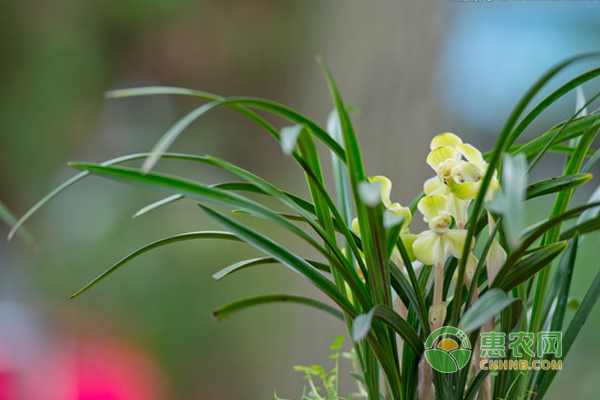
{"points": [[392, 287]]}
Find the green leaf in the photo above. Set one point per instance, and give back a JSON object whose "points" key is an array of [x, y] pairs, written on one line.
{"points": [[507, 137], [537, 233], [289, 137], [9, 219], [171, 239], [173, 133], [241, 105], [239, 305], [339, 263], [509, 202], [575, 327], [560, 133], [158, 204], [259, 261], [82, 175], [362, 325], [196, 191], [562, 284], [490, 304], [528, 267], [592, 212], [587, 226], [590, 163], [476, 384], [285, 257], [574, 141], [557, 184]]}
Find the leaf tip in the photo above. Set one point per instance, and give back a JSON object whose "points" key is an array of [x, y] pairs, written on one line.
{"points": [[75, 164], [12, 232]]}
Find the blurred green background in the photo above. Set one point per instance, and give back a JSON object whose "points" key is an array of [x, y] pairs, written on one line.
{"points": [[413, 69]]}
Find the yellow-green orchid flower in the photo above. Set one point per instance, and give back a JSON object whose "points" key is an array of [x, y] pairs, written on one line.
{"points": [[396, 209], [457, 207], [401, 212], [467, 175], [385, 186], [439, 242], [407, 238], [460, 166]]}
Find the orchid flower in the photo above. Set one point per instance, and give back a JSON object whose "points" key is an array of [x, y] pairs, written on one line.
{"points": [[457, 207], [397, 210], [460, 166], [434, 246]]}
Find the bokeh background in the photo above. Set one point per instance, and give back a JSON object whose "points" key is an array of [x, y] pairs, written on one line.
{"points": [[413, 69]]}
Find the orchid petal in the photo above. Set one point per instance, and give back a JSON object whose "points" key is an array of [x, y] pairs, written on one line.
{"points": [[385, 186], [402, 212], [466, 172], [441, 154], [408, 239], [428, 248], [430, 206], [454, 241], [445, 139], [471, 154], [464, 191], [458, 209], [355, 226], [432, 184]]}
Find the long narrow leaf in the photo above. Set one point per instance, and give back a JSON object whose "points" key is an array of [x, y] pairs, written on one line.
{"points": [[285, 257], [362, 325], [151, 246], [488, 306], [243, 304], [260, 261]]}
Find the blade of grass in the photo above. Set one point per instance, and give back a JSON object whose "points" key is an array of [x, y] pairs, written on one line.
{"points": [[362, 325], [82, 175], [239, 104], [243, 304], [575, 327], [347, 272], [491, 303], [556, 184], [9, 219], [530, 266], [157, 204], [285, 257], [151, 246], [260, 261]]}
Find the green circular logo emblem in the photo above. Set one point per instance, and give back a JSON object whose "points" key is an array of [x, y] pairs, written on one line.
{"points": [[451, 352]]}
